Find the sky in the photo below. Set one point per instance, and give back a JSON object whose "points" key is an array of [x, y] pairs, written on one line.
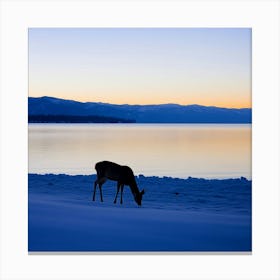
{"points": [[205, 66]]}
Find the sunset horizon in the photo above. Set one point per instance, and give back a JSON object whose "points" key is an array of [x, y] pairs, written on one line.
{"points": [[205, 66], [219, 105]]}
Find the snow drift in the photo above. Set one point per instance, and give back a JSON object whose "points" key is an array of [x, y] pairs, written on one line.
{"points": [[176, 215]]}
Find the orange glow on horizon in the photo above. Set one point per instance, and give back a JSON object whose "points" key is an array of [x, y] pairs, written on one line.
{"points": [[139, 100]]}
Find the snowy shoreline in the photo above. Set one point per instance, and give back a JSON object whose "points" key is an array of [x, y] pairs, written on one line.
{"points": [[177, 215]]}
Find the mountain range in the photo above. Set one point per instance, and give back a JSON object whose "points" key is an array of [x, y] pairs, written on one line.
{"points": [[162, 113]]}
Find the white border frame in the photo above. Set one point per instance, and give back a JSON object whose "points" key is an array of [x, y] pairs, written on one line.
{"points": [[17, 16]]}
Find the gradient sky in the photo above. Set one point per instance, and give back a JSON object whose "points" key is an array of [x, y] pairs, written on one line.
{"points": [[206, 66]]}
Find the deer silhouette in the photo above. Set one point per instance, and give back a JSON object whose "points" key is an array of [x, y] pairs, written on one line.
{"points": [[120, 173]]}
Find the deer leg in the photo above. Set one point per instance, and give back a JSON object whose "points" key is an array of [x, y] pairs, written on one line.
{"points": [[94, 190], [100, 182], [100, 188], [122, 186], [117, 193]]}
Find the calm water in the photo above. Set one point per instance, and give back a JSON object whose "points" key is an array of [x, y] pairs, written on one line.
{"points": [[197, 150]]}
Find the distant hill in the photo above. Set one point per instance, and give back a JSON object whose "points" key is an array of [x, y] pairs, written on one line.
{"points": [[163, 113]]}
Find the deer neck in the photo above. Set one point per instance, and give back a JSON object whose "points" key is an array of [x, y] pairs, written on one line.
{"points": [[134, 189]]}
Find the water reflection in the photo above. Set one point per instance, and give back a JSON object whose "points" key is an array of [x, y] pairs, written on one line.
{"points": [[210, 151]]}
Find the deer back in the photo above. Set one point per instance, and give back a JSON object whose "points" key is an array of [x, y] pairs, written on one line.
{"points": [[115, 172]]}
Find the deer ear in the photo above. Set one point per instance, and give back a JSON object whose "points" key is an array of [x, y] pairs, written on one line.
{"points": [[143, 191]]}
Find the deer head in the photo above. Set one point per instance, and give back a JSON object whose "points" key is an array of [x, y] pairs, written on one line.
{"points": [[138, 197]]}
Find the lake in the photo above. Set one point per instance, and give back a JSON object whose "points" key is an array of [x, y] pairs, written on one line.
{"points": [[173, 150]]}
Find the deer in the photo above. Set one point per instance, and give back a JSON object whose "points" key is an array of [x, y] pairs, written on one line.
{"points": [[120, 173]]}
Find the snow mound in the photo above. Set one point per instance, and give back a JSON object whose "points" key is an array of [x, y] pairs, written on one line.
{"points": [[176, 215]]}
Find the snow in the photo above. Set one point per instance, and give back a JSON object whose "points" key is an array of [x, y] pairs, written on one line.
{"points": [[176, 215]]}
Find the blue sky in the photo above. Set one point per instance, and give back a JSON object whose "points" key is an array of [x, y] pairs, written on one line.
{"points": [[207, 66]]}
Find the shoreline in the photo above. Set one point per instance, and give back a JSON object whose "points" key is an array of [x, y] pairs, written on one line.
{"points": [[163, 177]]}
